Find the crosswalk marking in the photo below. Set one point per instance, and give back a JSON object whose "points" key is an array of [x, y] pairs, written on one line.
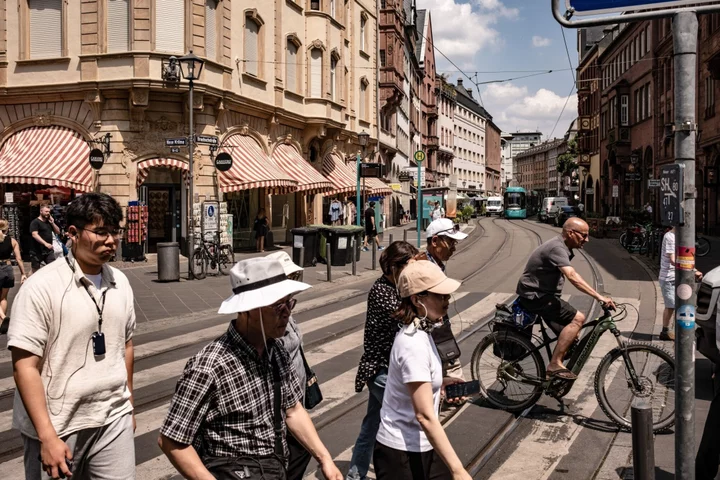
{"points": [[336, 390]]}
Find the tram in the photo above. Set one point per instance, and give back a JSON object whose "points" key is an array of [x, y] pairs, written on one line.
{"points": [[515, 202]]}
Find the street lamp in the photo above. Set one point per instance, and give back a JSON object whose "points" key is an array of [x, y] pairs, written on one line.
{"points": [[191, 67], [362, 140]]}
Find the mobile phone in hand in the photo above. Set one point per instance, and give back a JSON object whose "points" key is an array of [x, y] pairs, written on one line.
{"points": [[459, 390]]}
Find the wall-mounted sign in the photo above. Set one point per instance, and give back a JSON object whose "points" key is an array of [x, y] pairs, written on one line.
{"points": [[654, 183], [174, 149], [671, 191], [176, 142], [615, 191], [589, 191], [206, 139], [372, 170], [97, 158], [223, 161], [396, 187]]}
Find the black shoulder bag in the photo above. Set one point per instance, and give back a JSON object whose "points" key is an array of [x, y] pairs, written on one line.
{"points": [[270, 467], [313, 395], [447, 346]]}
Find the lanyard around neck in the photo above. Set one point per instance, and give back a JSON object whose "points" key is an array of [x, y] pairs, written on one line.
{"points": [[100, 308]]}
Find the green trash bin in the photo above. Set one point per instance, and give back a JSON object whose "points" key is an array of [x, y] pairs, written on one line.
{"points": [[322, 242]]}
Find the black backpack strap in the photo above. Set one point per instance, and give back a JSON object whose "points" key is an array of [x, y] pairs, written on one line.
{"points": [[277, 406], [308, 372]]}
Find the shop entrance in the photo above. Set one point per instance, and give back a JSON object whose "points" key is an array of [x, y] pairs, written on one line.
{"points": [[162, 193]]}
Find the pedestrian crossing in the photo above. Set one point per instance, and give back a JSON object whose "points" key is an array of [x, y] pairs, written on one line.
{"points": [[332, 324]]}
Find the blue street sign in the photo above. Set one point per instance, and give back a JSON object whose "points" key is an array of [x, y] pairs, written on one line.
{"points": [[595, 7]]}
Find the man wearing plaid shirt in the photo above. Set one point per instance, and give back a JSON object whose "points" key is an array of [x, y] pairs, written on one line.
{"points": [[223, 403]]}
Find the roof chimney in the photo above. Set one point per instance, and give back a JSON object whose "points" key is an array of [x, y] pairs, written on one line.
{"points": [[460, 82]]}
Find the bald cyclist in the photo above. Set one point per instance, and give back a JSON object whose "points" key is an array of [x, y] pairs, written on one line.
{"points": [[541, 284]]}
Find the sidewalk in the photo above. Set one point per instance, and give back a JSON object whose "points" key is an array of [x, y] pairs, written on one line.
{"points": [[618, 462], [156, 300]]}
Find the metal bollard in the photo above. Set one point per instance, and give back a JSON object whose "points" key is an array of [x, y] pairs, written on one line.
{"points": [[302, 256], [354, 256], [405, 235], [374, 254], [329, 262], [643, 446], [391, 239]]}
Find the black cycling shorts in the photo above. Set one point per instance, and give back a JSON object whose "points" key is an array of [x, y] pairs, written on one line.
{"points": [[550, 308], [7, 276]]}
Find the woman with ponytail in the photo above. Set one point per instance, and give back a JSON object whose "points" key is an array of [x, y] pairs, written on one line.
{"points": [[9, 247], [411, 443]]}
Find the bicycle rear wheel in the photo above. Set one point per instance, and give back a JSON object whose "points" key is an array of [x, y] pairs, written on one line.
{"points": [[226, 259], [702, 246], [501, 380], [198, 264], [655, 370]]}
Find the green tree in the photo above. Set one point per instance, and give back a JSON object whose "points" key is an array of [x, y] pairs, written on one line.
{"points": [[567, 162]]}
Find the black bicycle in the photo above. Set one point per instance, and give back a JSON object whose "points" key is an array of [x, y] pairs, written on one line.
{"points": [[511, 369], [210, 256]]}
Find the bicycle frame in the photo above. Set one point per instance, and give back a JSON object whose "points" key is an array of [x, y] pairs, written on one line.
{"points": [[579, 357]]}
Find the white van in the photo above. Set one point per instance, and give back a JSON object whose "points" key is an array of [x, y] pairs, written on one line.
{"points": [[494, 206], [550, 207]]}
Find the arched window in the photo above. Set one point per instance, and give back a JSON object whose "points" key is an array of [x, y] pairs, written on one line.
{"points": [[316, 61], [291, 66], [363, 23], [170, 26], [333, 85]]}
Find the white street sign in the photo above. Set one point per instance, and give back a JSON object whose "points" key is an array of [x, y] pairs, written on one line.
{"points": [[616, 191]]}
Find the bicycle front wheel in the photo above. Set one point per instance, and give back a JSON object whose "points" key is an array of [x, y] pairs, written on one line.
{"points": [[623, 240], [198, 264], [702, 246], [501, 362], [655, 372], [226, 259]]}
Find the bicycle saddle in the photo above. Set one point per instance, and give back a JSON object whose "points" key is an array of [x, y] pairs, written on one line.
{"points": [[504, 308]]}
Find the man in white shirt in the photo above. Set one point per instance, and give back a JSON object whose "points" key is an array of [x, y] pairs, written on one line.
{"points": [[438, 212], [667, 282], [72, 354]]}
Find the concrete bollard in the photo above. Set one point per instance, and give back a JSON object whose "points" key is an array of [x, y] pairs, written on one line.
{"points": [[643, 446], [329, 262], [354, 256]]}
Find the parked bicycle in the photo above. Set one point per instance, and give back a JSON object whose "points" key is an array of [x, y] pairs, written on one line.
{"points": [[210, 256], [702, 246], [510, 366]]}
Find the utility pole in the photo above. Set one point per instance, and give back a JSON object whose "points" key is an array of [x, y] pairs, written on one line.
{"points": [[685, 31]]}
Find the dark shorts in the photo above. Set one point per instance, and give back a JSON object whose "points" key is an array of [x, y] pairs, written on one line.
{"points": [[7, 276], [550, 308], [391, 464], [371, 233], [39, 260]]}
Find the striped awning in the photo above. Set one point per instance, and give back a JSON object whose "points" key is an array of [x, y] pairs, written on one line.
{"points": [[50, 155], [144, 166], [252, 168], [378, 188], [342, 174], [310, 181]]}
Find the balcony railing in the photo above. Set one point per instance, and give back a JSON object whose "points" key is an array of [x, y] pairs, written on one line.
{"points": [[433, 141], [432, 111]]}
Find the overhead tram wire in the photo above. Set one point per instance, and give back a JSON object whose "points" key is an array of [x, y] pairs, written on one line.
{"points": [[567, 51], [563, 110]]}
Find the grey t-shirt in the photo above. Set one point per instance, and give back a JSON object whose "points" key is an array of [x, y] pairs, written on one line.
{"points": [[542, 275], [292, 341]]}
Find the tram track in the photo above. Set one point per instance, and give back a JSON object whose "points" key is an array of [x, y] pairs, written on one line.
{"points": [[508, 427]]}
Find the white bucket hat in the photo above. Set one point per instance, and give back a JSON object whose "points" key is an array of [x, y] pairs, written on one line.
{"points": [[288, 265], [257, 283]]}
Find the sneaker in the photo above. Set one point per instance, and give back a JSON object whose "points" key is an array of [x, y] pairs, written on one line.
{"points": [[365, 249], [667, 335], [5, 325], [381, 248]]}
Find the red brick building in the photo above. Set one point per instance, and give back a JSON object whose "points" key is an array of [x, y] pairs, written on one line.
{"points": [[493, 159]]}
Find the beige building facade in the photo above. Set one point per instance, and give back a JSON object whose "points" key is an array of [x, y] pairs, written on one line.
{"points": [[299, 75]]}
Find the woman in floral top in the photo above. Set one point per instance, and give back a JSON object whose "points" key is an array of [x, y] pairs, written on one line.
{"points": [[380, 331]]}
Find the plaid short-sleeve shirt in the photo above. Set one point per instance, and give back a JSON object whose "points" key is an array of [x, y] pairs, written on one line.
{"points": [[223, 402]]}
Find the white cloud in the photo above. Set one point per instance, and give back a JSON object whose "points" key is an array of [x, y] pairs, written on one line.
{"points": [[460, 30], [539, 41], [516, 109]]}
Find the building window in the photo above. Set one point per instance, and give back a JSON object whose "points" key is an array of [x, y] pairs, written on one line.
{"points": [[170, 26], [253, 43], [709, 97], [46, 32], [291, 66], [363, 23], [382, 58], [314, 4], [118, 25], [316, 60], [333, 79], [332, 8], [211, 29], [363, 100]]}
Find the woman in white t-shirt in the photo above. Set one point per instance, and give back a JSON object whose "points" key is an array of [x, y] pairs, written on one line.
{"points": [[411, 444]]}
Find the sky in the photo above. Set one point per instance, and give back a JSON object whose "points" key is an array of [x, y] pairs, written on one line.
{"points": [[506, 40]]}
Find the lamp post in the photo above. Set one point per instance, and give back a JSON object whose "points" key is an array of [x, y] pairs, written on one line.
{"points": [[362, 139], [191, 67]]}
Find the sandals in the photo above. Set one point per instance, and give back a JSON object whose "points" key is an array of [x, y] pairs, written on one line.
{"points": [[561, 374]]}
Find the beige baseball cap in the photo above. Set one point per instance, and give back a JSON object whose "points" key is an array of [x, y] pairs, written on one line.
{"points": [[424, 276]]}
